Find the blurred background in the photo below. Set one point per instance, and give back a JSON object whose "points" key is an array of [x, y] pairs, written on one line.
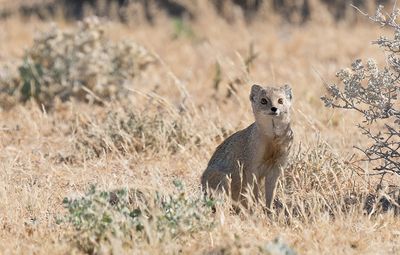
{"points": [[127, 11]]}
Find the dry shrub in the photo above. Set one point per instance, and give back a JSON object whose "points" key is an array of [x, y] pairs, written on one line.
{"points": [[128, 131], [318, 182], [81, 64]]}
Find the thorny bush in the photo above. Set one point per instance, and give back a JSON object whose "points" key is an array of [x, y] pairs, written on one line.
{"points": [[373, 92]]}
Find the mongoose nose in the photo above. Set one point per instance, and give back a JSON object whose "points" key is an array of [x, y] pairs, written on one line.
{"points": [[274, 109]]}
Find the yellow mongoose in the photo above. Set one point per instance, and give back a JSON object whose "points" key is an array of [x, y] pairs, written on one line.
{"points": [[258, 152]]}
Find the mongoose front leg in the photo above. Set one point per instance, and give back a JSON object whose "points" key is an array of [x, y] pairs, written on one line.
{"points": [[271, 179]]}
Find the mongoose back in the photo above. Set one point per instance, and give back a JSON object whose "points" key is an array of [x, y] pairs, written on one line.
{"points": [[256, 153]]}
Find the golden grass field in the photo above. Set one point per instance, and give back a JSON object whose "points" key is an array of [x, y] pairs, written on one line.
{"points": [[43, 158]]}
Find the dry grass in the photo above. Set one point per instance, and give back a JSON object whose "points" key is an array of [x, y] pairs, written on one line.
{"points": [[179, 118]]}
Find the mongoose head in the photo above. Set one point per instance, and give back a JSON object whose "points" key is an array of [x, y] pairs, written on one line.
{"points": [[271, 107]]}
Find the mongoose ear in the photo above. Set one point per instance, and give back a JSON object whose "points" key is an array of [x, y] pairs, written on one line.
{"points": [[255, 89], [288, 91]]}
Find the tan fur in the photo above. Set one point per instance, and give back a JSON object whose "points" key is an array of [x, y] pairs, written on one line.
{"points": [[248, 157]]}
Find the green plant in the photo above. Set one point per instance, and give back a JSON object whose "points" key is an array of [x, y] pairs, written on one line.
{"points": [[132, 217], [97, 220], [182, 29]]}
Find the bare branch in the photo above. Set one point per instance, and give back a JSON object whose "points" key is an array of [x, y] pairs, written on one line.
{"points": [[373, 92]]}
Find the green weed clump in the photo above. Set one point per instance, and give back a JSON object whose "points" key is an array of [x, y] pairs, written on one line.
{"points": [[105, 221], [82, 64]]}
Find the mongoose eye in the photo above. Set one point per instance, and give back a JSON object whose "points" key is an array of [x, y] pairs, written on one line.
{"points": [[280, 101], [264, 101]]}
